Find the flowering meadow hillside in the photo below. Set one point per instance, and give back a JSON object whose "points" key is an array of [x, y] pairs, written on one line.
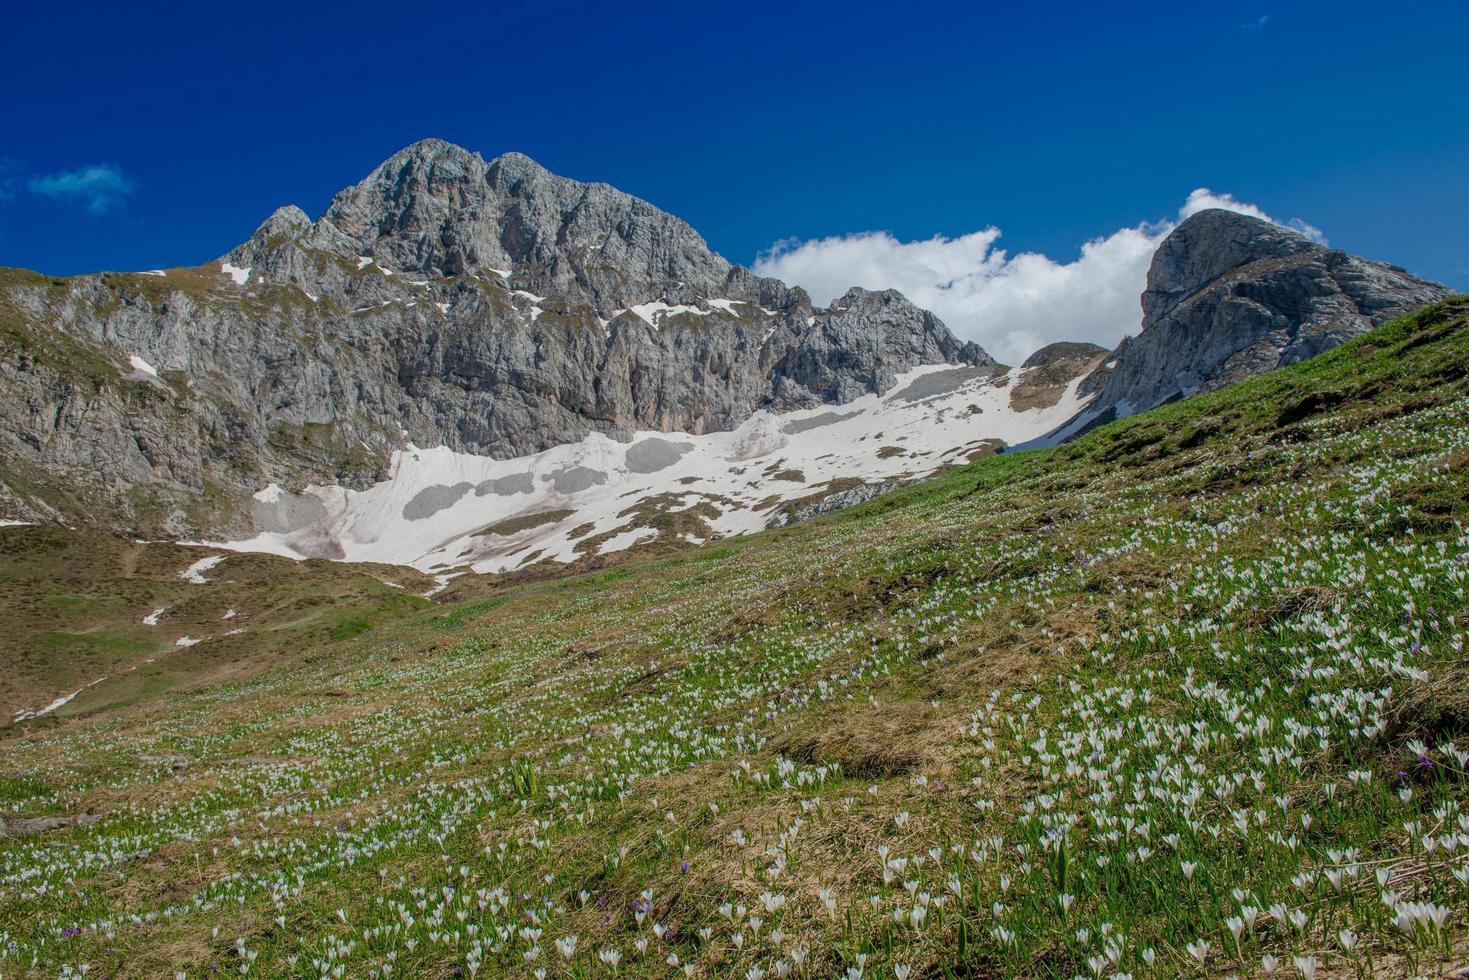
{"points": [[1185, 697]]}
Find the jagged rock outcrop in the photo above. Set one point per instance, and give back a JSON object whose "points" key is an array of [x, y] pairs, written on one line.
{"points": [[831, 503], [490, 306], [1230, 296]]}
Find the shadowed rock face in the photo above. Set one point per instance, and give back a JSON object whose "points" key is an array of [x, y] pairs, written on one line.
{"points": [[490, 306], [1230, 296]]}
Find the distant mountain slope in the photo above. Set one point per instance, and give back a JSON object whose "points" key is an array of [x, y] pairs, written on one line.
{"points": [[488, 306], [446, 512], [1230, 296], [479, 364]]}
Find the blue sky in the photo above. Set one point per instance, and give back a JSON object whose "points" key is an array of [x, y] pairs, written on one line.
{"points": [[137, 138]]}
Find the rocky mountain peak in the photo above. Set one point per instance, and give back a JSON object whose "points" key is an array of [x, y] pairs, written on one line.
{"points": [[1208, 245], [489, 307], [289, 221], [438, 209], [1230, 296]]}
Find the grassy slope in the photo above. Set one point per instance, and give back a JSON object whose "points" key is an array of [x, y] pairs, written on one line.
{"points": [[74, 604], [1061, 712]]}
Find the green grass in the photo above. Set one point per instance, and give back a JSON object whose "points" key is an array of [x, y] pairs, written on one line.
{"points": [[1180, 697], [74, 605]]}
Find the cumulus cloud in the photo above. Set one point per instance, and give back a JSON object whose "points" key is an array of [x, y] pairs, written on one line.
{"points": [[1010, 305], [100, 187], [1202, 199]]}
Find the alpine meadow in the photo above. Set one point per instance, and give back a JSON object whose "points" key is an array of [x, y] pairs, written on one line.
{"points": [[473, 573]]}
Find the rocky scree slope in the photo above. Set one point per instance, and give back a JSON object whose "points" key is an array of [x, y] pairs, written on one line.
{"points": [[488, 306]]}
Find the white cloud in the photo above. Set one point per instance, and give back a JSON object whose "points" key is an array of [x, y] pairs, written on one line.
{"points": [[1202, 199], [101, 186], [1309, 230], [1009, 305]]}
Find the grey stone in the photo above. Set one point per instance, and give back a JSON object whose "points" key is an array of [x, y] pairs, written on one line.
{"points": [[17, 826], [936, 384], [1230, 296], [834, 502], [290, 512], [322, 364]]}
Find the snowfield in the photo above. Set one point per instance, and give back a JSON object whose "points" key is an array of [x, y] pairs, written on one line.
{"points": [[442, 509]]}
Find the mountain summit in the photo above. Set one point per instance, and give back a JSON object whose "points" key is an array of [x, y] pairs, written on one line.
{"points": [[470, 363], [491, 307], [1230, 295], [437, 209]]}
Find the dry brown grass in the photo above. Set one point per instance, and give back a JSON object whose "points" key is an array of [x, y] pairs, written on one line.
{"points": [[524, 522], [873, 742], [1307, 598]]}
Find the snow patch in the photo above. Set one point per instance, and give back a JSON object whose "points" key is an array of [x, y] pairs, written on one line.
{"points": [[625, 540], [238, 274], [152, 618], [142, 366], [186, 641], [441, 582], [27, 713], [651, 313], [598, 479], [195, 572], [533, 299]]}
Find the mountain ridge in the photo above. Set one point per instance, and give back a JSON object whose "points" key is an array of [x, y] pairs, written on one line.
{"points": [[1230, 295], [315, 349], [532, 326]]}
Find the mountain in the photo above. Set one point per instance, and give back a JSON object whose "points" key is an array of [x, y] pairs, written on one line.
{"points": [[480, 365], [1230, 296], [490, 307]]}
